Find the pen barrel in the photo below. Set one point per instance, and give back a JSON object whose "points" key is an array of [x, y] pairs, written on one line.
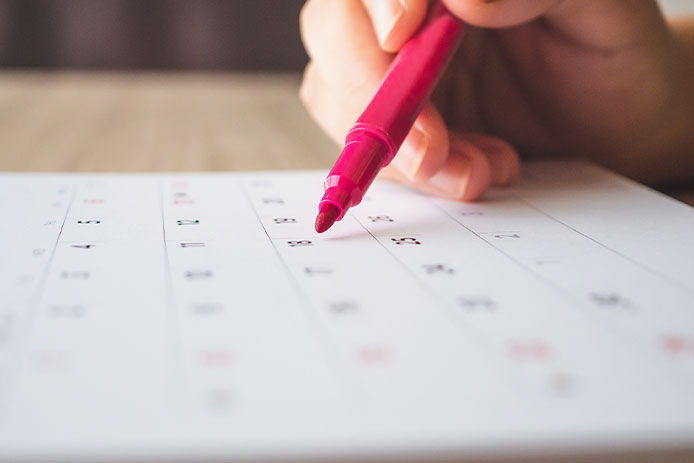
{"points": [[413, 75], [363, 156], [376, 137]]}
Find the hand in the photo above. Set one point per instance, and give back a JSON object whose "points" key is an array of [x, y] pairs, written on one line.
{"points": [[603, 79]]}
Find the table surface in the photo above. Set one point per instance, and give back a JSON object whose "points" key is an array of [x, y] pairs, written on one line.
{"points": [[131, 122], [147, 122]]}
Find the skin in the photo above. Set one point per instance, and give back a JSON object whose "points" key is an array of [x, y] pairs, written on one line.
{"points": [[607, 80]]}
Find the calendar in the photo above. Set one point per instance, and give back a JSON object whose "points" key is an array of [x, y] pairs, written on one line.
{"points": [[199, 317]]}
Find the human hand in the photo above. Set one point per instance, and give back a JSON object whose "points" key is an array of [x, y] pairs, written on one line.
{"points": [[603, 79]]}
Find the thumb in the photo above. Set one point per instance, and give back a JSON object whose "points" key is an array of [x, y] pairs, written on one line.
{"points": [[598, 24], [395, 20], [499, 13]]}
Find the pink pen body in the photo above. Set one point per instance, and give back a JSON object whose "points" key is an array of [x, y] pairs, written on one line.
{"points": [[381, 129]]}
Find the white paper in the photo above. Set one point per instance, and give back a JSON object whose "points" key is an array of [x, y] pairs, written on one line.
{"points": [[199, 317]]}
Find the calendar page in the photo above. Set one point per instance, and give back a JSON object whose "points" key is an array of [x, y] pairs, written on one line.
{"points": [[199, 317]]}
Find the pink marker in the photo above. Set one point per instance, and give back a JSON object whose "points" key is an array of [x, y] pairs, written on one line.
{"points": [[378, 133]]}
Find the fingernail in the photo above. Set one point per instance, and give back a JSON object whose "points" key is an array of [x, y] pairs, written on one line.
{"points": [[386, 14], [451, 184], [409, 159]]}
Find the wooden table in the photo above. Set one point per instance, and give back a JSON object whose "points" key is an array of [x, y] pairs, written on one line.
{"points": [[98, 122], [146, 122]]}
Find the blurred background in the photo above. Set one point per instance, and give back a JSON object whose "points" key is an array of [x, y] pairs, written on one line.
{"points": [[152, 34], [161, 34]]}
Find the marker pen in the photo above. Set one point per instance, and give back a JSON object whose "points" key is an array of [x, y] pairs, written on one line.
{"points": [[380, 130]]}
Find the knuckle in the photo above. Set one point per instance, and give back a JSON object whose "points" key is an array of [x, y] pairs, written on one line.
{"points": [[306, 21], [305, 13], [312, 15], [306, 88]]}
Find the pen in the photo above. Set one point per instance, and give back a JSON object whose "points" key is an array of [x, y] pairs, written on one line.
{"points": [[380, 130]]}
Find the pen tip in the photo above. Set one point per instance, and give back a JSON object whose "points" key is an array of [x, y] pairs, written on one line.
{"points": [[326, 217]]}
